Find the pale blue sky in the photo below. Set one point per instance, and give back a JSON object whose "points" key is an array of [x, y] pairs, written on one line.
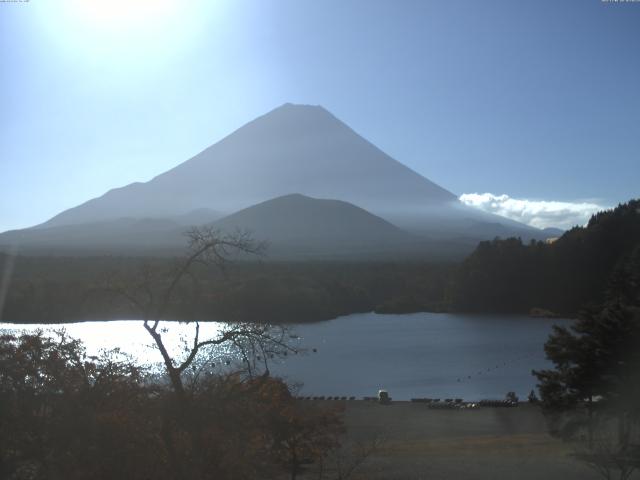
{"points": [[533, 99]]}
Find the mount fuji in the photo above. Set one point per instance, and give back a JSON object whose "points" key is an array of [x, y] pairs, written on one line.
{"points": [[293, 149]]}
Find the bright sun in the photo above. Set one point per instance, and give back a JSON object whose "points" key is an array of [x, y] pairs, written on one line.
{"points": [[125, 35], [123, 14]]}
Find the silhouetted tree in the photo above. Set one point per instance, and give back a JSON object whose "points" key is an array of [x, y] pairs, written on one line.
{"points": [[256, 342], [155, 292], [64, 415], [596, 379]]}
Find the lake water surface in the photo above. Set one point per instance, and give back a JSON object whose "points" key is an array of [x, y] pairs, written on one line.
{"points": [[410, 355]]}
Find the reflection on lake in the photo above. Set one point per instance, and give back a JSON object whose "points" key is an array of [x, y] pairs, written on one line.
{"points": [[411, 355]]}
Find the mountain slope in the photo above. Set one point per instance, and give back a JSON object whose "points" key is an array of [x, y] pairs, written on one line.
{"points": [[296, 226], [293, 226], [123, 235], [317, 226], [294, 148]]}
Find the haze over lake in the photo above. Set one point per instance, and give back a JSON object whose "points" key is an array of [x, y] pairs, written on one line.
{"points": [[411, 355]]}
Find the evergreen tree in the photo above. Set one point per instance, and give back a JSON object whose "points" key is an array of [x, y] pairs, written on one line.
{"points": [[595, 381]]}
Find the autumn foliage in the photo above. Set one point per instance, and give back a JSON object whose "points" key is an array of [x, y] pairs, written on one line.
{"points": [[64, 415]]}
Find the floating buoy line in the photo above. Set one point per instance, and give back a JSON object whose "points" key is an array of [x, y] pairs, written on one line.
{"points": [[498, 366]]}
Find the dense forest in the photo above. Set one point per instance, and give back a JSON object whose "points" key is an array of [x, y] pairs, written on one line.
{"points": [[56, 289], [560, 276], [501, 276]]}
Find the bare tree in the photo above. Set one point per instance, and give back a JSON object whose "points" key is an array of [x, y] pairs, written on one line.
{"points": [[153, 294]]}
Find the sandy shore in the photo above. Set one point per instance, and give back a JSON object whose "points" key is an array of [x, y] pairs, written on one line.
{"points": [[484, 443]]}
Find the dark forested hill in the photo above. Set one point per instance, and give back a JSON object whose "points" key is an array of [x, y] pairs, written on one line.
{"points": [[314, 223], [509, 276]]}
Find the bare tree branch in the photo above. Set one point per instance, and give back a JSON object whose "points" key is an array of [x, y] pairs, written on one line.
{"points": [[152, 295]]}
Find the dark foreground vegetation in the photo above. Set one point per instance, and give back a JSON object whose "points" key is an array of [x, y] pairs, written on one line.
{"points": [[64, 415], [593, 392]]}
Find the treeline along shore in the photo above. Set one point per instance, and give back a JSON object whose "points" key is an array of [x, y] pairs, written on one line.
{"points": [[560, 277], [62, 289]]}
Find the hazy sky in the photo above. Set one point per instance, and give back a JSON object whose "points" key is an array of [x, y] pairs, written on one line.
{"points": [[535, 100]]}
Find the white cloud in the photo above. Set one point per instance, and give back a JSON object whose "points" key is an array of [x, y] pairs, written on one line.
{"points": [[537, 213]]}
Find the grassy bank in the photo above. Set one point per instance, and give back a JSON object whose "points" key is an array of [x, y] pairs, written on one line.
{"points": [[484, 443]]}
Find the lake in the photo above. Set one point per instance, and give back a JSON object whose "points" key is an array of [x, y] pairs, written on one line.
{"points": [[411, 355]]}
